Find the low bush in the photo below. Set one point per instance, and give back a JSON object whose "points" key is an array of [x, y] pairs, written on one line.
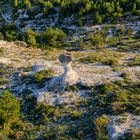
{"points": [[112, 62], [112, 41], [42, 75], [116, 99], [135, 61], [3, 80], [103, 57], [101, 128], [11, 123], [98, 39], [1, 36], [1, 51], [52, 37]]}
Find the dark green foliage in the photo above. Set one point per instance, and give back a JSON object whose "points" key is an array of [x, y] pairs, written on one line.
{"points": [[101, 128], [112, 41], [106, 58], [1, 36], [42, 75], [117, 99], [101, 10], [30, 37], [10, 116], [10, 32], [52, 37], [98, 39]]}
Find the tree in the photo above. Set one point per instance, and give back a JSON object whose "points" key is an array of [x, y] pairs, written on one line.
{"points": [[30, 36], [9, 112], [52, 37]]}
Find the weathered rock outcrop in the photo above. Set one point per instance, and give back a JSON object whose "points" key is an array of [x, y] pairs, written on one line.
{"points": [[69, 77], [56, 86]]}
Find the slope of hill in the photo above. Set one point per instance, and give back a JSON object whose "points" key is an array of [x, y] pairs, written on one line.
{"points": [[70, 70]]}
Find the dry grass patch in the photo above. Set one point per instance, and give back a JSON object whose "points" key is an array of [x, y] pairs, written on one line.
{"points": [[105, 56]]}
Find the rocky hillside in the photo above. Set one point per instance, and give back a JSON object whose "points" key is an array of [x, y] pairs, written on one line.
{"points": [[70, 70], [18, 16], [105, 91]]}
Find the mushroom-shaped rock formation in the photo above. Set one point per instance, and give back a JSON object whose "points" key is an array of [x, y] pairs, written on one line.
{"points": [[69, 77], [54, 93]]}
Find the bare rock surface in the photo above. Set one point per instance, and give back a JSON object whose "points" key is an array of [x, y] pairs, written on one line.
{"points": [[69, 77], [120, 124]]}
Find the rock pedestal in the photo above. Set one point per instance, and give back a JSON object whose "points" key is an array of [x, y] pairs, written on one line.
{"points": [[69, 77]]}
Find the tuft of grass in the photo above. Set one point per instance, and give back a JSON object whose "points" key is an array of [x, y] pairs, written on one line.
{"points": [[129, 45], [106, 57], [3, 81], [125, 75], [42, 75], [101, 127], [1, 51], [135, 61]]}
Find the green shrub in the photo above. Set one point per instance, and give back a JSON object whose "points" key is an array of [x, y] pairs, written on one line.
{"points": [[112, 41], [42, 75], [12, 35], [10, 32], [1, 51], [30, 37], [112, 62], [10, 116], [3, 80], [97, 39], [135, 61], [90, 59], [101, 128], [1, 36], [125, 75], [129, 32], [52, 37], [103, 58]]}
